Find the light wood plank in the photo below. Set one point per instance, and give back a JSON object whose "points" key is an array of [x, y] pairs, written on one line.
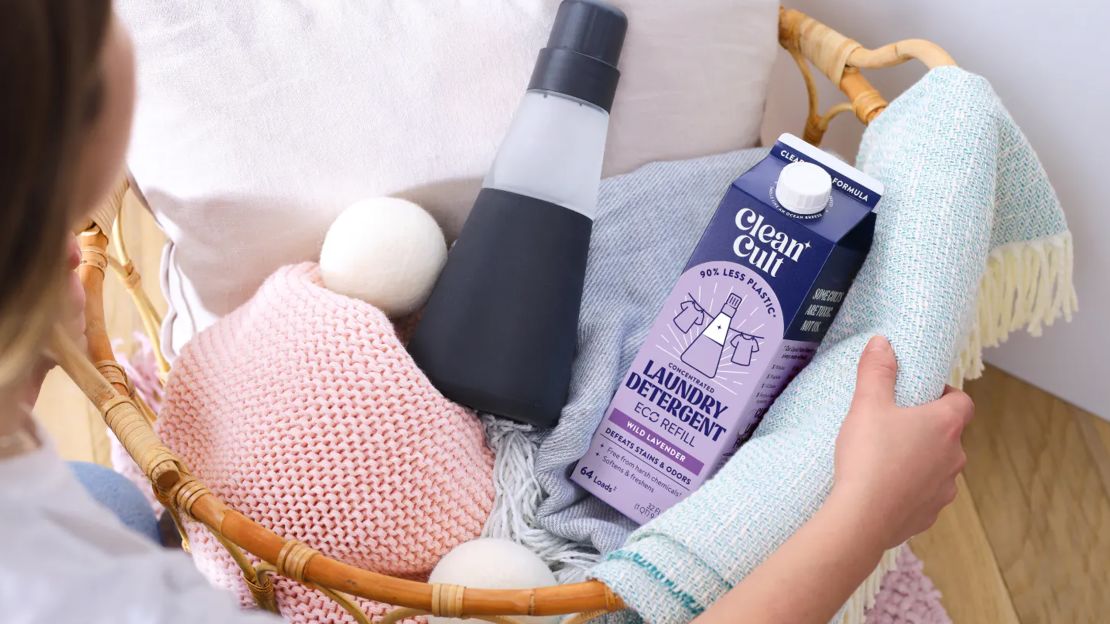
{"points": [[959, 560], [1041, 499], [1096, 433], [1103, 429]]}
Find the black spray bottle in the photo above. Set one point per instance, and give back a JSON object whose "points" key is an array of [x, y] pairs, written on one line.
{"points": [[499, 331]]}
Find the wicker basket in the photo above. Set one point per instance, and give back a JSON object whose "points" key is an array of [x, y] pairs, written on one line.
{"points": [[104, 382]]}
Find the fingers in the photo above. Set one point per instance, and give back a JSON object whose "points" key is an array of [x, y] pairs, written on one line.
{"points": [[877, 372], [958, 403], [949, 493], [73, 253], [961, 463], [75, 314]]}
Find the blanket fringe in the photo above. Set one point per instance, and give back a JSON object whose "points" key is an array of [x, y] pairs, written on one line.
{"points": [[517, 502], [1026, 285]]}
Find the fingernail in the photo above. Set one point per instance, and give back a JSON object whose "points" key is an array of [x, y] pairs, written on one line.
{"points": [[878, 343]]}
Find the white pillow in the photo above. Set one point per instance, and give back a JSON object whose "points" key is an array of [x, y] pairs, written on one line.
{"points": [[258, 122]]}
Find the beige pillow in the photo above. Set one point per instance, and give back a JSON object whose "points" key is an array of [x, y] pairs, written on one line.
{"points": [[258, 122]]}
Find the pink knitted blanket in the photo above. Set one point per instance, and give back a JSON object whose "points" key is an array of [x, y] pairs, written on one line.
{"points": [[303, 410]]}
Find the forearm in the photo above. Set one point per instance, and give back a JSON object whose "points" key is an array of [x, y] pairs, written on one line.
{"points": [[810, 576]]}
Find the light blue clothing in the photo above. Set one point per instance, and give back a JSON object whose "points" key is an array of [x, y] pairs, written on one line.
{"points": [[65, 558], [964, 193], [119, 496]]}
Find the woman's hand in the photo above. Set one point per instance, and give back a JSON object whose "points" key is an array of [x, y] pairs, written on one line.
{"points": [[895, 469], [898, 464]]}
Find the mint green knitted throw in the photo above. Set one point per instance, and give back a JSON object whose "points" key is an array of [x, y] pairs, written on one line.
{"points": [[971, 244]]}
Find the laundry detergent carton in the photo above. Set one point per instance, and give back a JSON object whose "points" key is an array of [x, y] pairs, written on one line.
{"points": [[747, 314]]}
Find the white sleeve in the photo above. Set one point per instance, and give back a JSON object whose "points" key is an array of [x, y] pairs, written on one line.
{"points": [[64, 558], [139, 589]]}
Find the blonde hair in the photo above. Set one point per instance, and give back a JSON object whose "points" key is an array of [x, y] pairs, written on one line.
{"points": [[50, 69]]}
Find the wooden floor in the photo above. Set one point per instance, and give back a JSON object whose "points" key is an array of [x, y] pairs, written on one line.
{"points": [[1034, 515], [1027, 540]]}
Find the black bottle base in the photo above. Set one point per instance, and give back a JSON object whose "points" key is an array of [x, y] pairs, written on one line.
{"points": [[499, 331]]}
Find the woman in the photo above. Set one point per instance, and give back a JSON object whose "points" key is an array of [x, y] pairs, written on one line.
{"points": [[65, 115], [67, 71]]}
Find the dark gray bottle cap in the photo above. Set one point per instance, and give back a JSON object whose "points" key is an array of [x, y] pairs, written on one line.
{"points": [[581, 56]]}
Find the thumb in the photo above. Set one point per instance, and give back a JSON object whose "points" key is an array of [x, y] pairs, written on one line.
{"points": [[876, 375]]}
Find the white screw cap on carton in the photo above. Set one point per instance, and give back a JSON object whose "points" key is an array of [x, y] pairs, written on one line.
{"points": [[803, 188]]}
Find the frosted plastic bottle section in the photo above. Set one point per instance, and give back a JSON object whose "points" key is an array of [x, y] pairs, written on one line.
{"points": [[553, 151]]}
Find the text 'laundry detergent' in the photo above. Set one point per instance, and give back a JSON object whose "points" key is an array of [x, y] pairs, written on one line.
{"points": [[747, 314]]}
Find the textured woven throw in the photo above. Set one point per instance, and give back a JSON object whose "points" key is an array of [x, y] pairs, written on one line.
{"points": [[971, 244], [303, 410]]}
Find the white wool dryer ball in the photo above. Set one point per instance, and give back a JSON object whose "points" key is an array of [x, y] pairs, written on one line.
{"points": [[386, 251], [492, 563]]}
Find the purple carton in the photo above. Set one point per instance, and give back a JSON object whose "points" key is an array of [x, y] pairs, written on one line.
{"points": [[747, 314]]}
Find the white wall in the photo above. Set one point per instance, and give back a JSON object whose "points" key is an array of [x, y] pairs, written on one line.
{"points": [[1050, 63]]}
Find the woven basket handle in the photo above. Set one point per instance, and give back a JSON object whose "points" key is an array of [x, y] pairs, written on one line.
{"points": [[840, 59], [97, 373]]}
